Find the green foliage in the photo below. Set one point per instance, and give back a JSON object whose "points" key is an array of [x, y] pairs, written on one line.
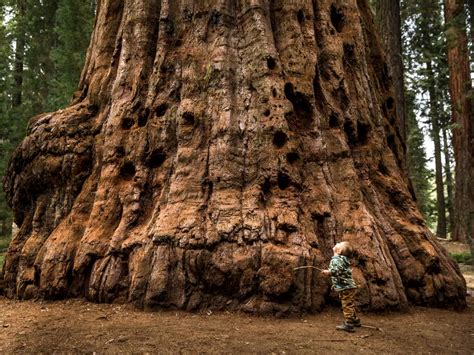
{"points": [[426, 81], [74, 21], [461, 258], [421, 176], [4, 242], [42, 49]]}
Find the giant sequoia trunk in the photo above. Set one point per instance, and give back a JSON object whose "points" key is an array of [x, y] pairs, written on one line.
{"points": [[389, 23], [213, 147]]}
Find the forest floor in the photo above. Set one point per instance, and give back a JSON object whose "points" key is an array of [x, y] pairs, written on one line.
{"points": [[77, 326]]}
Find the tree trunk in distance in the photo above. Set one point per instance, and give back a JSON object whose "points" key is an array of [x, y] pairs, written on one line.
{"points": [[17, 91], [449, 180], [462, 118], [389, 23], [212, 148], [435, 131]]}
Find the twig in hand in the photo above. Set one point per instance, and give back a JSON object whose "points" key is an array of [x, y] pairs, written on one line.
{"points": [[307, 267]]}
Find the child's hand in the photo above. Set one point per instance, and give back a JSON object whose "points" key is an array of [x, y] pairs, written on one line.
{"points": [[325, 272]]}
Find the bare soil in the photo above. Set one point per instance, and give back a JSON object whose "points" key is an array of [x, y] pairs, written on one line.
{"points": [[81, 327]]}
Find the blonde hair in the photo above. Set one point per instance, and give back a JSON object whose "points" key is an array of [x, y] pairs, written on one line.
{"points": [[345, 248]]}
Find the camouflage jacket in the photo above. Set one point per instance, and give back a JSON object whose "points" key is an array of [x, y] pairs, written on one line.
{"points": [[341, 273]]}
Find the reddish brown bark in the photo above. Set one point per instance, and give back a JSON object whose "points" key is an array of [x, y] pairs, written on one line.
{"points": [[462, 118], [388, 18], [212, 148]]}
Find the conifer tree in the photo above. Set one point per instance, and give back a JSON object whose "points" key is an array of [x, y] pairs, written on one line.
{"points": [[426, 57]]}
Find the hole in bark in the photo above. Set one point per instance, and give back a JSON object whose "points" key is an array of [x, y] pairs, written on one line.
{"points": [[280, 139], [379, 282], [274, 92], [266, 186], [363, 130], [389, 103], [301, 104], [178, 43], [127, 123], [391, 142], [350, 133], [266, 113], [337, 18], [156, 159], [333, 120], [292, 157], [361, 262], [215, 17], [433, 267], [271, 64], [127, 171], [383, 168], [301, 16], [120, 152], [161, 109], [93, 110], [188, 118], [175, 95], [349, 55], [169, 27], [283, 180], [143, 118]]}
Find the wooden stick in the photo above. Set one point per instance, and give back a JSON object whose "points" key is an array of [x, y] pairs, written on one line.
{"points": [[371, 327], [307, 267]]}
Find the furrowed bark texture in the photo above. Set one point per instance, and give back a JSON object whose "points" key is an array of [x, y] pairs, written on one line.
{"points": [[461, 91], [212, 148], [388, 14]]}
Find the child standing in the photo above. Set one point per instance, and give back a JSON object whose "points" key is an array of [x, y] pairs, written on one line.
{"points": [[343, 283]]}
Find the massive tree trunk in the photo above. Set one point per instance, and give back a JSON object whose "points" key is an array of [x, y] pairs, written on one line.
{"points": [[388, 18], [211, 149], [462, 117]]}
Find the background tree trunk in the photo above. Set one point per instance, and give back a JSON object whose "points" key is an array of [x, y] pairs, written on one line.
{"points": [[435, 135], [212, 148], [389, 21], [462, 118], [449, 179], [17, 90]]}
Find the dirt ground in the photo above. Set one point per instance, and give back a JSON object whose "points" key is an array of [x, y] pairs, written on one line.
{"points": [[76, 326]]}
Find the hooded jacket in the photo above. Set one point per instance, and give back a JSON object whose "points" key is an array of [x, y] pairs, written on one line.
{"points": [[341, 273]]}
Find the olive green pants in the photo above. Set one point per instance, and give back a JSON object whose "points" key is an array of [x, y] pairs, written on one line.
{"points": [[348, 305]]}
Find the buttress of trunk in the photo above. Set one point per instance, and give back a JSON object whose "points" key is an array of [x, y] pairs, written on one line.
{"points": [[212, 148]]}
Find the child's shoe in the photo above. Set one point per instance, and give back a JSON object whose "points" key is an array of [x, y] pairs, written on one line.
{"points": [[347, 327], [356, 323]]}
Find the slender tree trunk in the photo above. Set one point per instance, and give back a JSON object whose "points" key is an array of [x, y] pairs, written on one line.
{"points": [[19, 56], [388, 18], [462, 118], [470, 5], [449, 180], [435, 134], [213, 147]]}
